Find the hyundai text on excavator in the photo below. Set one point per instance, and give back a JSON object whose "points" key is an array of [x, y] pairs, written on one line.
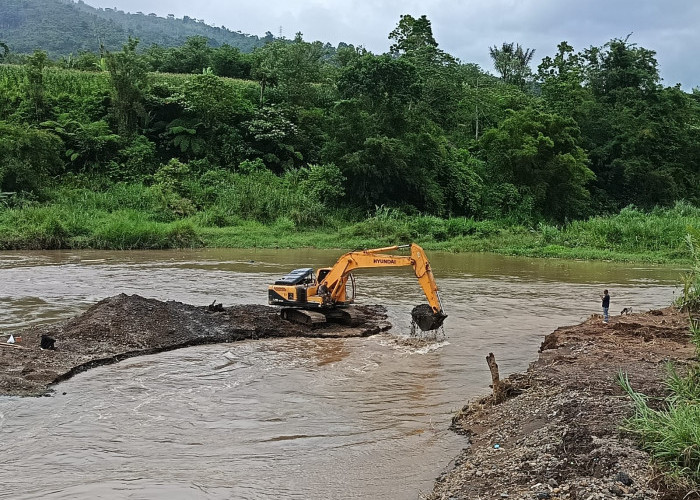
{"points": [[313, 298]]}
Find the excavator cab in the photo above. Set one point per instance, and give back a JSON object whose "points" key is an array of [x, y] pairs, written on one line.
{"points": [[298, 276], [294, 289], [304, 288]]}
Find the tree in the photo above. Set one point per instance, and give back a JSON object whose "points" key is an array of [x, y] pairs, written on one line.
{"points": [[386, 86], [436, 71], [88, 61], [194, 55], [208, 104], [483, 102], [562, 81], [641, 138], [213, 101], [88, 146], [270, 134], [228, 61], [324, 183], [265, 68], [621, 70], [35, 83], [538, 153], [129, 82], [512, 62], [292, 68], [345, 54], [414, 38]]}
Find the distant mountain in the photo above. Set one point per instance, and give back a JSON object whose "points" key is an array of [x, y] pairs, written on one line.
{"points": [[62, 27]]}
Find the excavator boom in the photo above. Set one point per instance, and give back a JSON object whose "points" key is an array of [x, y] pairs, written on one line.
{"points": [[335, 280]]}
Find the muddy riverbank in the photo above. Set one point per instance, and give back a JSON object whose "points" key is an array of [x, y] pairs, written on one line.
{"points": [[558, 434], [124, 326]]}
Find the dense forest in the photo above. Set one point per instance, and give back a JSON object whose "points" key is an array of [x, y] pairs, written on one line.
{"points": [[298, 135], [65, 27]]}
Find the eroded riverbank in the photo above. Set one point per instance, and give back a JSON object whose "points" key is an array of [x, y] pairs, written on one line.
{"points": [[125, 326], [559, 435]]}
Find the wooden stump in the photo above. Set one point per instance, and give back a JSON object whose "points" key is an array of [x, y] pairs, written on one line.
{"points": [[498, 389]]}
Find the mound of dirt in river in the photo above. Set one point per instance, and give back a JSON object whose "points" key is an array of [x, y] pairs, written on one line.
{"points": [[558, 435], [124, 326]]}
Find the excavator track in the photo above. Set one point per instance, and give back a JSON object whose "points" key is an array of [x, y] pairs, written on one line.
{"points": [[348, 316], [303, 317]]}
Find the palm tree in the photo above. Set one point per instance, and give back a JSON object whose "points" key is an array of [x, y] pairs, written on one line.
{"points": [[512, 62]]}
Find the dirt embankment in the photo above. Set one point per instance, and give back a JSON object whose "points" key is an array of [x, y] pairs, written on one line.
{"points": [[124, 326], [558, 435]]}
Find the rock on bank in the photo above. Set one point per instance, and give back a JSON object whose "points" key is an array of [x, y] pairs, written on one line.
{"points": [[125, 326]]}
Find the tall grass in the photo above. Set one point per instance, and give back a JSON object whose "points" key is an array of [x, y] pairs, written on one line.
{"points": [[281, 210], [690, 300], [630, 230], [671, 434], [124, 217]]}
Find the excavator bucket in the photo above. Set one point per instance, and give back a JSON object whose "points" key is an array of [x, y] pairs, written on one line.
{"points": [[426, 319]]}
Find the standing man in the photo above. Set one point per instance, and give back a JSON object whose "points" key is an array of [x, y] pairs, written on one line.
{"points": [[606, 305]]}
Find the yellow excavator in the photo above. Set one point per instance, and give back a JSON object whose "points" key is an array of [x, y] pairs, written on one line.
{"points": [[314, 298]]}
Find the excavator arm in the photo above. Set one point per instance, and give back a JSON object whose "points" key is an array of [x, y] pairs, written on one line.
{"points": [[337, 277]]}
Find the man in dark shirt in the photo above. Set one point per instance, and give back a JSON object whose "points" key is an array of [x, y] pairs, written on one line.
{"points": [[606, 305]]}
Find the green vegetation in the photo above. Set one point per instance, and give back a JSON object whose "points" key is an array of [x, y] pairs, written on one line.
{"points": [[67, 28], [671, 434], [670, 431], [690, 301], [181, 208], [296, 144]]}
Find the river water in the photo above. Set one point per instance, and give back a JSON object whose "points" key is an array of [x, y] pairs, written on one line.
{"points": [[281, 418]]}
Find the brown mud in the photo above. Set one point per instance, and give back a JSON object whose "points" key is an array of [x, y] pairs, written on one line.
{"points": [[124, 326], [557, 434]]}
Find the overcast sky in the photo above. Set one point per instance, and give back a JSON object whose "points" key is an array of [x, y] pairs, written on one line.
{"points": [[464, 28]]}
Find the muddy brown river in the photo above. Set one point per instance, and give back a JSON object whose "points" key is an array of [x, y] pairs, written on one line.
{"points": [[281, 418]]}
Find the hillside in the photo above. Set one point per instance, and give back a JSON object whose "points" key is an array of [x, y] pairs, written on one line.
{"points": [[62, 27]]}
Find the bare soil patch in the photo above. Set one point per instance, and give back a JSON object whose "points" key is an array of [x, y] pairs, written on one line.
{"points": [[558, 435], [125, 326]]}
